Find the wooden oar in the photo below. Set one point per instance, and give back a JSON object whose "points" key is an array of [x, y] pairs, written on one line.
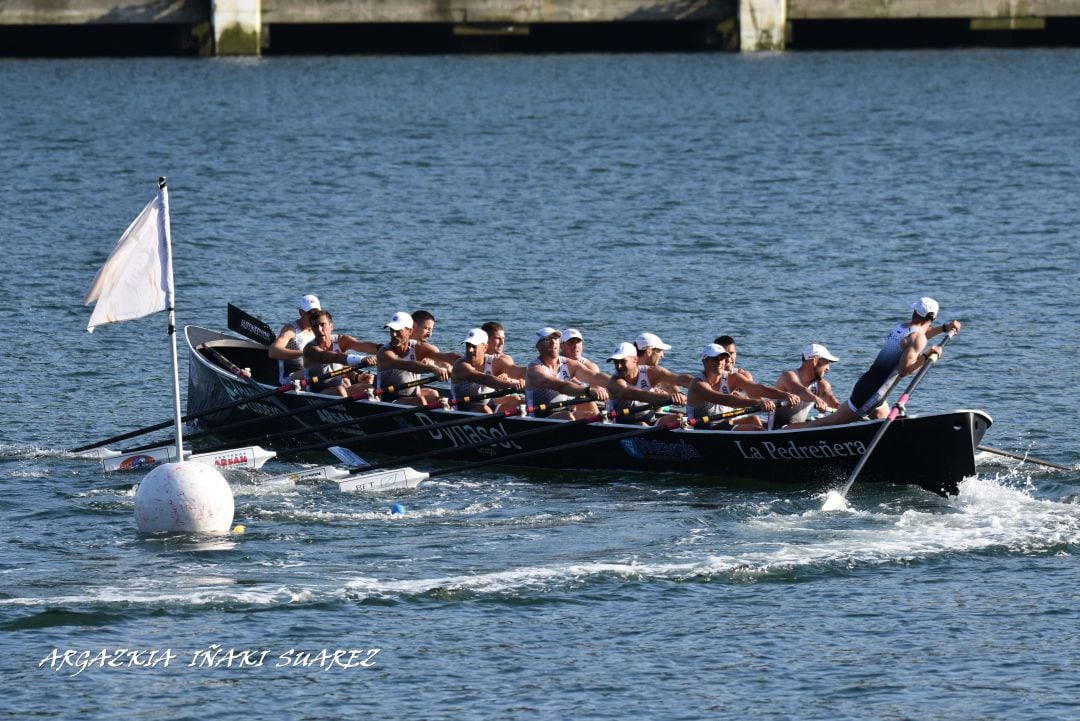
{"points": [[1024, 457], [250, 327], [832, 503], [367, 479]]}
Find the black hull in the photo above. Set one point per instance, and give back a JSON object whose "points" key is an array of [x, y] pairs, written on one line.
{"points": [[934, 452]]}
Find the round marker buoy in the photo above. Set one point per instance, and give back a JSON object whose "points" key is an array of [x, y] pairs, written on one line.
{"points": [[239, 528], [397, 510], [184, 497]]}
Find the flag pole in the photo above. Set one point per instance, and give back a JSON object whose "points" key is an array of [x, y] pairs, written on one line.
{"points": [[170, 303]]}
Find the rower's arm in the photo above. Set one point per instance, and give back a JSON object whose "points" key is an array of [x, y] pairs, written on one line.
{"points": [[388, 359], [537, 376], [278, 350], [701, 391], [758, 390], [465, 371], [314, 354], [504, 364], [361, 346]]}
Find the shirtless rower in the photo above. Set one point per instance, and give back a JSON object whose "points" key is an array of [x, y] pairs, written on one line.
{"points": [[808, 382], [714, 392], [573, 346], [471, 377], [633, 385], [329, 351], [288, 348], [405, 359], [551, 378], [904, 352]]}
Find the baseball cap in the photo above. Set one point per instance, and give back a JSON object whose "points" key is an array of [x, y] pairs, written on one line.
{"points": [[399, 320], [925, 306], [623, 351], [570, 333], [816, 350], [713, 351], [475, 336], [546, 332], [309, 303], [650, 340]]}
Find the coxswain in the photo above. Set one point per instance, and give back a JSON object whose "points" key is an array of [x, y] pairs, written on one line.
{"points": [[551, 378], [404, 359], [635, 387], [470, 378], [809, 384], [903, 353]]}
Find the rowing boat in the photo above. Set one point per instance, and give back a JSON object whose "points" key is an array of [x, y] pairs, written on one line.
{"points": [[933, 451]]}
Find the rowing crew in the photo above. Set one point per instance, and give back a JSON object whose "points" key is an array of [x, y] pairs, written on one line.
{"points": [[639, 383]]}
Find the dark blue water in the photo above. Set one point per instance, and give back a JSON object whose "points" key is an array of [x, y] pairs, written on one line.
{"points": [[781, 199]]}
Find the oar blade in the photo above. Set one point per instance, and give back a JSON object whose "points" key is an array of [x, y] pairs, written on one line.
{"points": [[349, 458], [310, 475], [247, 457], [379, 481]]}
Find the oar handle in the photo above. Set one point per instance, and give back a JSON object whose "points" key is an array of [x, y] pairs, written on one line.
{"points": [[735, 412], [402, 386], [465, 400], [543, 407]]}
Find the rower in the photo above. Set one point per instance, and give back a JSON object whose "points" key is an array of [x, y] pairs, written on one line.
{"points": [[728, 343], [904, 352], [551, 378], [496, 362], [808, 382], [404, 359], [650, 351], [471, 377], [288, 348], [329, 351], [634, 385], [713, 392], [423, 329], [573, 346]]}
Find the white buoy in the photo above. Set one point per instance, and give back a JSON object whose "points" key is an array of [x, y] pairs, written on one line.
{"points": [[184, 497]]}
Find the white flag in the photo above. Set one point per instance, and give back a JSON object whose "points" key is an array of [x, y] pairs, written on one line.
{"points": [[136, 280]]}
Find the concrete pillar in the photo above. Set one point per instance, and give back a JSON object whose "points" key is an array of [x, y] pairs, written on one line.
{"points": [[762, 25], [236, 26]]}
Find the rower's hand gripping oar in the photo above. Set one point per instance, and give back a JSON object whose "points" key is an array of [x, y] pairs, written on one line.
{"points": [[835, 501]]}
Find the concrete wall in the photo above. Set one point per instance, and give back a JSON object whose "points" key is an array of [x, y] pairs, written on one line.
{"points": [[105, 12], [914, 9], [490, 11]]}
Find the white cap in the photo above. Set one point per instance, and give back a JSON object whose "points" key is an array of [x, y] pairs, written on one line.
{"points": [[399, 320], [475, 336], [546, 332], [309, 303], [816, 350], [571, 333], [713, 351], [623, 351], [650, 340], [925, 306]]}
